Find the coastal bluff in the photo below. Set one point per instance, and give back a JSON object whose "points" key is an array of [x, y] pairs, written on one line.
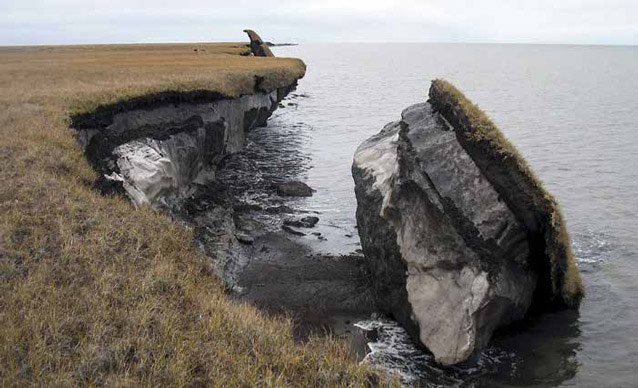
{"points": [[97, 292], [157, 152], [160, 146], [459, 235]]}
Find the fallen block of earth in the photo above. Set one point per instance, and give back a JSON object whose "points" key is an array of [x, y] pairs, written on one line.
{"points": [[459, 235]]}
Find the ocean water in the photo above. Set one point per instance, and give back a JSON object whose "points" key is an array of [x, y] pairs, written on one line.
{"points": [[572, 111]]}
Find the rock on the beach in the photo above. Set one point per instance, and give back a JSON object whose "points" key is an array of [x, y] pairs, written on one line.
{"points": [[291, 230], [244, 238], [303, 222], [293, 189], [279, 209], [449, 258]]}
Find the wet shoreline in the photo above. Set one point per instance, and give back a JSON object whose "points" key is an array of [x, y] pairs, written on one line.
{"points": [[267, 257], [309, 277]]}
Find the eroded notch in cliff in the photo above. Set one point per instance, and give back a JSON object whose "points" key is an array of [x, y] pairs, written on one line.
{"points": [[155, 148]]}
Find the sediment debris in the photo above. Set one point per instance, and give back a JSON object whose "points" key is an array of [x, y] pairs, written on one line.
{"points": [[303, 222], [459, 235], [257, 45], [293, 189], [292, 230]]}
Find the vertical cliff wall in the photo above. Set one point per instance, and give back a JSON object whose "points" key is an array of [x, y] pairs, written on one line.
{"points": [[156, 148]]}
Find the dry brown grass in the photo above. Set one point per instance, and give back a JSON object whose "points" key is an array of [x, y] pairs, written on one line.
{"points": [[517, 183], [96, 293]]}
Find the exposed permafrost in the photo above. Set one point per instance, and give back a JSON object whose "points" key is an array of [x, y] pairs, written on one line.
{"points": [[378, 156], [156, 154]]}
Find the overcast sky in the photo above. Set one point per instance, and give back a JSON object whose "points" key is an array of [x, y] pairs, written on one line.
{"points": [[301, 21]]}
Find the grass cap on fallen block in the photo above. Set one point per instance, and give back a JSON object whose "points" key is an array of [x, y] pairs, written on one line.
{"points": [[560, 283]]}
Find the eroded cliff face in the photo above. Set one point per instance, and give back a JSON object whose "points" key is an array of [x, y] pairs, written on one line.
{"points": [[157, 154], [452, 252]]}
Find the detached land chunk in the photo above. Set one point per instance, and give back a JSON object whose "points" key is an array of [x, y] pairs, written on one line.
{"points": [[257, 45], [460, 236]]}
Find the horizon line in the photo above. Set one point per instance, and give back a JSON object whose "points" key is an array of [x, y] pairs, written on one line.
{"points": [[327, 42]]}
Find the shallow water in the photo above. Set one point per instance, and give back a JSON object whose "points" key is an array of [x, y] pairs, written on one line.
{"points": [[571, 111]]}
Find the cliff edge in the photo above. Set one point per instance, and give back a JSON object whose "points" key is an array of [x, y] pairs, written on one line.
{"points": [[95, 292]]}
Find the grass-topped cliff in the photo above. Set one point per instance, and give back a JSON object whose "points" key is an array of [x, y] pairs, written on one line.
{"points": [[96, 292], [560, 283]]}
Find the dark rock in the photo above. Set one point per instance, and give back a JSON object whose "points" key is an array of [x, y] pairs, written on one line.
{"points": [[294, 189], [244, 238], [450, 259], [279, 209], [304, 222], [292, 230], [245, 224], [244, 207]]}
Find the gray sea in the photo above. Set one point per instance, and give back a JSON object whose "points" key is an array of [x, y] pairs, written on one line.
{"points": [[572, 111]]}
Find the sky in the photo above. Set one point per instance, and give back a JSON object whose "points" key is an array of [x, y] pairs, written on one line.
{"points": [[25, 22]]}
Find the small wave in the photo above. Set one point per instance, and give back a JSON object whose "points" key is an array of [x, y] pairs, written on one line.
{"points": [[592, 247], [394, 352]]}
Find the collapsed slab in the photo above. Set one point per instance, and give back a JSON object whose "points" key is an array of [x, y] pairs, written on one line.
{"points": [[257, 45], [459, 235]]}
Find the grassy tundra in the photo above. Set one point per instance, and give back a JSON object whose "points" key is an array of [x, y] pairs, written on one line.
{"points": [[95, 292]]}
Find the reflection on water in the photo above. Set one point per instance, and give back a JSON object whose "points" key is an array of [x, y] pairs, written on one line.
{"points": [[571, 111]]}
